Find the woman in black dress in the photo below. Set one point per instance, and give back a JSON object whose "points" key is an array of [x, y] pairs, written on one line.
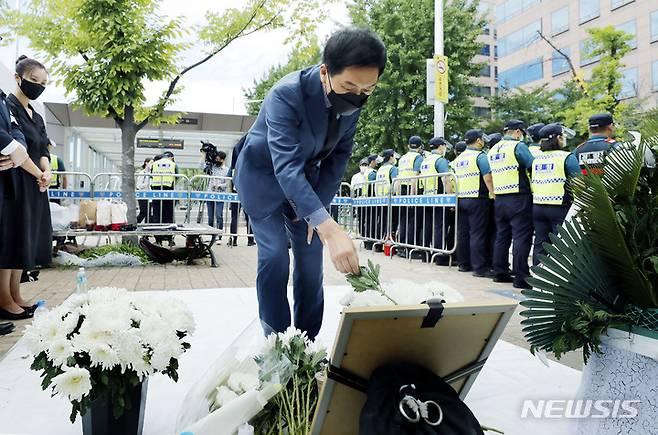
{"points": [[26, 229]]}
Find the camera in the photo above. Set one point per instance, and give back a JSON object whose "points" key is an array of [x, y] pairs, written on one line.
{"points": [[210, 150]]}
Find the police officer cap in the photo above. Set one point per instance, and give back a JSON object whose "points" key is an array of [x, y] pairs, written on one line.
{"points": [[550, 131], [371, 158], [415, 142], [387, 154], [363, 162], [168, 154], [494, 138], [514, 124], [460, 146], [601, 120], [533, 131], [436, 142], [472, 135]]}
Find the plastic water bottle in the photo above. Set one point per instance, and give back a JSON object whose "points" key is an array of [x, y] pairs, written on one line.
{"points": [[81, 281], [246, 429], [41, 309]]}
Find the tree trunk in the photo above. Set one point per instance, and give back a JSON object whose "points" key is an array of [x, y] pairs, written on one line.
{"points": [[128, 133]]}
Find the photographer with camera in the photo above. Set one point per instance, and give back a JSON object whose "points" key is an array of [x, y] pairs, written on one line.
{"points": [[212, 164]]}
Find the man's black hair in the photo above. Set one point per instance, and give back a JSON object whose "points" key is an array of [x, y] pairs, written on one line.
{"points": [[354, 46], [221, 154]]}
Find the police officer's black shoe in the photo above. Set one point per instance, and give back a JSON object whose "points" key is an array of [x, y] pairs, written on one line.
{"points": [[368, 245], [401, 252], [419, 255], [251, 242], [522, 284], [378, 248], [483, 274], [503, 278], [464, 268], [442, 260]]}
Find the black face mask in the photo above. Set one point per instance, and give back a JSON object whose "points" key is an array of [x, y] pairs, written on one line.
{"points": [[345, 104], [31, 90]]}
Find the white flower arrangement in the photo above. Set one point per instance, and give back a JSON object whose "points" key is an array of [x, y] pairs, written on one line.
{"points": [[106, 341], [368, 291]]}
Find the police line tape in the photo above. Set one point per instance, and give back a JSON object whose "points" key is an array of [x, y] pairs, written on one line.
{"points": [[433, 200]]}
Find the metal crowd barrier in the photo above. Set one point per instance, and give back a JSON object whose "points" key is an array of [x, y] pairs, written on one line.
{"points": [[341, 206], [427, 221], [370, 205], [73, 187], [210, 193]]}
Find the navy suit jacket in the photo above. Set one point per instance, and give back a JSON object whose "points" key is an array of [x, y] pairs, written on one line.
{"points": [[278, 163], [8, 132]]}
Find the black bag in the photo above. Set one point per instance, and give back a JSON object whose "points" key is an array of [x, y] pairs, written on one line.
{"points": [[407, 399], [158, 254]]}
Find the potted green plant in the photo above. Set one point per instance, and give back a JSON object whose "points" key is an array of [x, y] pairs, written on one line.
{"points": [[597, 288]]}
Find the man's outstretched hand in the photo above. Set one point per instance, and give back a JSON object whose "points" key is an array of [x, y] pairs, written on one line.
{"points": [[6, 163], [341, 248]]}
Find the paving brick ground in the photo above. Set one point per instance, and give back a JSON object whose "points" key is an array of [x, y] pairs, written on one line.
{"points": [[237, 268]]}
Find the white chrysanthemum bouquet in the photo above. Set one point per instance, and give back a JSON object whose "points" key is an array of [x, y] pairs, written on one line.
{"points": [[368, 291], [104, 342]]}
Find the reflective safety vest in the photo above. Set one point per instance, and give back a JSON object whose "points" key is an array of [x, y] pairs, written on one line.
{"points": [[535, 150], [163, 173], [549, 177], [468, 174], [432, 185], [592, 154], [406, 168], [504, 167], [383, 183], [54, 165]]}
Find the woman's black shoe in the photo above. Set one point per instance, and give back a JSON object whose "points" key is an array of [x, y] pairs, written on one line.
{"points": [[6, 315], [31, 308]]}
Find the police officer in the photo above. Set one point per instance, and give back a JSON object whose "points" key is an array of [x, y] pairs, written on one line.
{"points": [[369, 213], [409, 166], [510, 160], [386, 173], [163, 171], [551, 170], [474, 184], [494, 138], [435, 163], [533, 135], [460, 147], [592, 153]]}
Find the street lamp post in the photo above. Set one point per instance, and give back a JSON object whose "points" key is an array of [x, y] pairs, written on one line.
{"points": [[439, 110]]}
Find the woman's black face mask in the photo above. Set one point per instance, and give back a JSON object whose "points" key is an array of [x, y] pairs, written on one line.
{"points": [[345, 104], [30, 89]]}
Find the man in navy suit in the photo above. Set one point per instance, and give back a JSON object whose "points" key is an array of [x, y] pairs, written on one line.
{"points": [[290, 167]]}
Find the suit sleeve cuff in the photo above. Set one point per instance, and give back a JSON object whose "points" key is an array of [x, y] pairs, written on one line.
{"points": [[10, 148], [318, 217]]}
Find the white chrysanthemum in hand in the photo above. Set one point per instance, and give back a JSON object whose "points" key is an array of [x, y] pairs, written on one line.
{"points": [[224, 396], [59, 351], [74, 383], [103, 355]]}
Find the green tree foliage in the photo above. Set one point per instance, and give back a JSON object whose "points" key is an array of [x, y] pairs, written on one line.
{"points": [[532, 106], [604, 86], [301, 57], [105, 51], [397, 109]]}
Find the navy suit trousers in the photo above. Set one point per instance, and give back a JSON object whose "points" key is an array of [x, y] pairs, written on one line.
{"points": [[272, 235], [513, 222]]}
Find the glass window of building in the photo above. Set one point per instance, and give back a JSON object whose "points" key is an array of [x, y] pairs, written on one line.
{"points": [[486, 50], [654, 26], [589, 9], [614, 4], [482, 91], [631, 29], [512, 8], [654, 76], [485, 71], [628, 83], [560, 21], [560, 64], [482, 112], [519, 39], [586, 58], [522, 74]]}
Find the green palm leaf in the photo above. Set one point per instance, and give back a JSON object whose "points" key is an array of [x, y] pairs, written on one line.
{"points": [[570, 277]]}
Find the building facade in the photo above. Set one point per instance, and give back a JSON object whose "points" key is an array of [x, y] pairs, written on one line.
{"points": [[525, 60]]}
